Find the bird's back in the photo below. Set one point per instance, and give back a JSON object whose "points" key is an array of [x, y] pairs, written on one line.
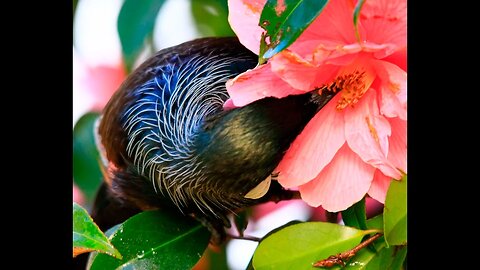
{"points": [[149, 127], [169, 142]]}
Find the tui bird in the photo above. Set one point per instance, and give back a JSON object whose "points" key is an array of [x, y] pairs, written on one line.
{"points": [[169, 143]]}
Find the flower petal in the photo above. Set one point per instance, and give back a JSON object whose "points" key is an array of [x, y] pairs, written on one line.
{"points": [[379, 187], [228, 105], [340, 184], [256, 84], [330, 35], [102, 81], [397, 153], [299, 73], [393, 89], [384, 22], [398, 58], [243, 16], [341, 56], [367, 132], [314, 148], [333, 26]]}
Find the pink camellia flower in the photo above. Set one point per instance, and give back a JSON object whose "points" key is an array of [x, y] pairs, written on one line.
{"points": [[78, 196], [356, 144], [102, 81]]}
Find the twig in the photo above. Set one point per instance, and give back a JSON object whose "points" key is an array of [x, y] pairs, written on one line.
{"points": [[340, 258], [249, 238]]}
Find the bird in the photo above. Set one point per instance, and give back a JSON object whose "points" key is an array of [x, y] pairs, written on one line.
{"points": [[168, 142]]}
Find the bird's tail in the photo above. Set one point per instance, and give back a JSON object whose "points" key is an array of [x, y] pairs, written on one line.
{"points": [[108, 210]]}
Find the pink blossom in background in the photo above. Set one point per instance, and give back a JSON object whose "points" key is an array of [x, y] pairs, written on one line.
{"points": [[357, 143], [102, 81], [78, 196]]}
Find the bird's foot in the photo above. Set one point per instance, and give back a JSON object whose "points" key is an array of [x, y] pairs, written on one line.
{"points": [[216, 227]]}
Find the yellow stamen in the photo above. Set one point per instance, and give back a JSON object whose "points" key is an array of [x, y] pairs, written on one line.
{"points": [[353, 86], [353, 80]]}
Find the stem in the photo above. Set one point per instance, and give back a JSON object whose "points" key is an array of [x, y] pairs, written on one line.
{"points": [[340, 258], [249, 238]]}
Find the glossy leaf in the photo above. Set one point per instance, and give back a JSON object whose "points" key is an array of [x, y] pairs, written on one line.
{"points": [[288, 224], [395, 213], [155, 240], [399, 254], [375, 222], [355, 215], [211, 18], [87, 236], [300, 245], [284, 21], [135, 23], [86, 167]]}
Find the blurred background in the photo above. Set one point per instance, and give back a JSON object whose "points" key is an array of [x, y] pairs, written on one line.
{"points": [[112, 37]]}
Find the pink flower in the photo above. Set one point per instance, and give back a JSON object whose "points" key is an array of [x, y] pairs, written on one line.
{"points": [[78, 196], [357, 143], [102, 81]]}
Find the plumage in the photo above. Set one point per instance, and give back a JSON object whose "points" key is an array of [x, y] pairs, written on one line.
{"points": [[169, 143]]}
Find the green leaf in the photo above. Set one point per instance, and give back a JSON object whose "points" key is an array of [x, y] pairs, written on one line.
{"points": [[86, 159], [300, 245], [87, 236], [135, 23], [355, 215], [375, 222], [290, 223], [155, 240], [284, 21], [400, 254], [356, 14], [211, 18], [395, 213]]}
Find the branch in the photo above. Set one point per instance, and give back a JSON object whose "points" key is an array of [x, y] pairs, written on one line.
{"points": [[340, 258]]}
